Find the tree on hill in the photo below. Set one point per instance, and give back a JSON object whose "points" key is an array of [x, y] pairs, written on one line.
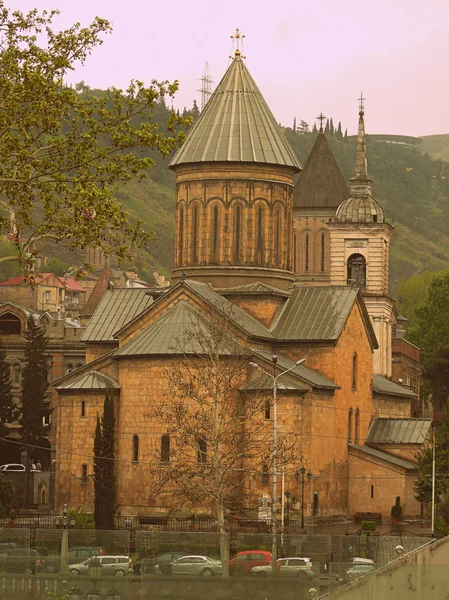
{"points": [[104, 467], [6, 398], [63, 150]]}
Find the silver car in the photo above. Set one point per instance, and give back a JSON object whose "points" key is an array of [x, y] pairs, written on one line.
{"points": [[196, 565], [296, 566], [109, 565]]}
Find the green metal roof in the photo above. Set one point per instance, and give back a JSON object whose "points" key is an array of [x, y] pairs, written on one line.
{"points": [[93, 380], [310, 376], [321, 183], [257, 288], [398, 431], [382, 385], [314, 313], [379, 454], [116, 308], [180, 330], [266, 383], [236, 125]]}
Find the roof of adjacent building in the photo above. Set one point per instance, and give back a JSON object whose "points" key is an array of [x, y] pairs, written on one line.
{"points": [[384, 386], [380, 455], [398, 431], [321, 183], [318, 314], [236, 125], [310, 376], [116, 308], [264, 382], [70, 283], [180, 330], [93, 380]]}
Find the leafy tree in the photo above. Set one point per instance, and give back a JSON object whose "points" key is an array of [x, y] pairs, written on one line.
{"points": [[63, 150], [7, 492], [411, 294], [104, 467], [57, 266], [6, 398], [34, 406]]}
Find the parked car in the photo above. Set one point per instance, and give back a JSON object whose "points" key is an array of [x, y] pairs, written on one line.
{"points": [[13, 467], [360, 567], [194, 565], [110, 565], [76, 555], [296, 566], [244, 561], [152, 565], [20, 560]]}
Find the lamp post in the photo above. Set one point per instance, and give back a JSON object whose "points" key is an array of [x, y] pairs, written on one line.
{"points": [[65, 523], [274, 494], [302, 479]]}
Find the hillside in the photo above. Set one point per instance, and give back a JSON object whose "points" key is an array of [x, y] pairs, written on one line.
{"points": [[437, 146]]}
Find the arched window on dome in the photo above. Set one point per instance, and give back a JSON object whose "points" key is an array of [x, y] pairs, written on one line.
{"points": [[237, 234], [259, 234], [195, 234], [307, 252], [357, 271], [215, 246], [181, 237], [323, 250], [277, 237]]}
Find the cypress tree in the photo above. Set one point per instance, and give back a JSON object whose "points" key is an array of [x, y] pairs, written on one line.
{"points": [[339, 131], [326, 128], [98, 476], [6, 399], [104, 467], [331, 127]]}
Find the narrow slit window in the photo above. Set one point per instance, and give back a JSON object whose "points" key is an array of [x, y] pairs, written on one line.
{"points": [[237, 233], [306, 253], [350, 425], [181, 236], [323, 252], [83, 408], [267, 409], [202, 450], [215, 234], [195, 235], [135, 448], [277, 234], [165, 448], [265, 475], [259, 235], [84, 473]]}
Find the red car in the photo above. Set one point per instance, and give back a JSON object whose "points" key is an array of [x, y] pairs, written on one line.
{"points": [[246, 560]]}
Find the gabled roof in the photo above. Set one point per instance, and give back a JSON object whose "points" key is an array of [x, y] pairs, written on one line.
{"points": [[318, 314], [70, 283], [180, 330], [236, 125], [310, 376], [93, 380], [384, 386], [380, 455], [257, 288], [398, 431], [266, 383], [116, 308], [321, 183], [97, 293]]}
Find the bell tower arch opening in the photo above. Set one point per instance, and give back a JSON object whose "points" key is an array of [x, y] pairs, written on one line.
{"points": [[356, 270]]}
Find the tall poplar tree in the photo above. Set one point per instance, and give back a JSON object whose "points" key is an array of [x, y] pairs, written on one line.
{"points": [[6, 399], [104, 467]]}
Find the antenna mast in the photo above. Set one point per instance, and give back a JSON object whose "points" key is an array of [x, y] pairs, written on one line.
{"points": [[206, 86]]}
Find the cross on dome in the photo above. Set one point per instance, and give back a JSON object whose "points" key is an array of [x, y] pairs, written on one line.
{"points": [[237, 43]]}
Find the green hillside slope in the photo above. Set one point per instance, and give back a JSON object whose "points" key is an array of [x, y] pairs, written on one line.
{"points": [[435, 145]]}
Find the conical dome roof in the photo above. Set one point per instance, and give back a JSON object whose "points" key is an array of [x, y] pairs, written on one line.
{"points": [[236, 125], [321, 183]]}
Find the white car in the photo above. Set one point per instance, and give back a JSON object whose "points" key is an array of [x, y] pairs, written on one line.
{"points": [[109, 565], [295, 566], [13, 467]]}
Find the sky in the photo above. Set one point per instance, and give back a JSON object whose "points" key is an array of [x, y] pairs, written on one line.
{"points": [[306, 57]]}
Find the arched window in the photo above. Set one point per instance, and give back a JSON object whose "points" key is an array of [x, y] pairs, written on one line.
{"points": [[237, 234], [83, 408], [17, 374], [181, 236], [322, 252], [195, 234], [215, 234], [357, 426], [165, 448], [267, 409], [307, 252], [69, 368], [295, 266], [265, 475], [350, 425], [202, 450], [135, 448], [277, 237], [259, 233], [10, 324], [84, 473], [354, 371], [43, 495], [357, 271]]}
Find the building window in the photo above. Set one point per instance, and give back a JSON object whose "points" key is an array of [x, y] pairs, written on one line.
{"points": [[237, 233], [372, 491], [17, 374], [277, 237], [69, 368], [354, 371], [165, 448], [215, 234], [47, 297], [195, 227], [84, 473], [83, 408], [294, 253], [267, 409], [259, 247], [357, 426], [10, 324], [350, 425], [265, 475], [202, 450], [181, 236], [322, 252], [307, 252], [357, 271], [135, 448]]}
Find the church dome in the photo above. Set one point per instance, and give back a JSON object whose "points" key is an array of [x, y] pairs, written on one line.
{"points": [[360, 209]]}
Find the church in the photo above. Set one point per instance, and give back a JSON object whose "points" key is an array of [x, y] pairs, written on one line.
{"points": [[295, 265]]}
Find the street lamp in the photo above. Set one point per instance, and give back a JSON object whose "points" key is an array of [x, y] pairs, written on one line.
{"points": [[303, 480], [275, 378], [64, 522]]}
